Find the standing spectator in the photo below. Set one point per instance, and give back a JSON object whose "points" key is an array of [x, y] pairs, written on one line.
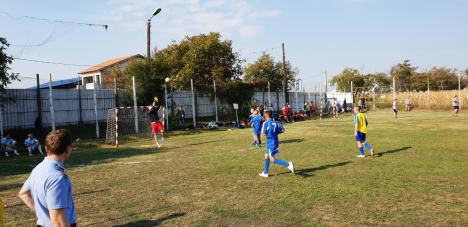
{"points": [[345, 106], [286, 111], [181, 116], [306, 109], [408, 104], [9, 145], [48, 190], [456, 105], [32, 144], [395, 108]]}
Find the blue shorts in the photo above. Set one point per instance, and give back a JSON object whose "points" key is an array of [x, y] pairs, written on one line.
{"points": [[271, 152], [257, 132], [360, 136]]}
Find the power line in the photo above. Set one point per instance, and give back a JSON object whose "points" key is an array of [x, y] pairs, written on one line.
{"points": [[50, 62], [105, 26]]}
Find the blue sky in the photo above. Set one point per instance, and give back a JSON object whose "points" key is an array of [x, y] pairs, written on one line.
{"points": [[370, 35]]}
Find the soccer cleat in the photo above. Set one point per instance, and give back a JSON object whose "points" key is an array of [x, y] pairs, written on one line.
{"points": [[158, 145], [258, 145], [262, 174], [372, 152], [291, 167], [361, 156], [6, 154], [16, 152]]}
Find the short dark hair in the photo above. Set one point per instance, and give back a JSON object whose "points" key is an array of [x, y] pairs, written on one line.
{"points": [[58, 141]]}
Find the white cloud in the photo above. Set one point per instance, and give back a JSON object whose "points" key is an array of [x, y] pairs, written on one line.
{"points": [[186, 17]]}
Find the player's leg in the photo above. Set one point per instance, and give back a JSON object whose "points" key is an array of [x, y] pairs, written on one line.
{"points": [[39, 147], [29, 148], [280, 162], [266, 166], [14, 149], [369, 148], [360, 149]]}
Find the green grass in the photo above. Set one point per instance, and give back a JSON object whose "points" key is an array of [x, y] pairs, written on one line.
{"points": [[206, 178]]}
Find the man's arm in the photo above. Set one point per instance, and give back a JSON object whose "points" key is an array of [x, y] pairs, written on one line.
{"points": [[25, 196], [58, 218]]}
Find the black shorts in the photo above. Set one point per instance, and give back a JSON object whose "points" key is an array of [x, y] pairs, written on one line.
{"points": [[456, 107], [395, 110]]}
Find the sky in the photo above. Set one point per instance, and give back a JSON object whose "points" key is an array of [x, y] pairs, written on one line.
{"points": [[319, 35]]}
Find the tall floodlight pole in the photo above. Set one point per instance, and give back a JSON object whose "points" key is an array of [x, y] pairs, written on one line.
{"points": [[148, 34]]}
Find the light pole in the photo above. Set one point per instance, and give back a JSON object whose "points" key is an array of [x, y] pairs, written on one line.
{"points": [[148, 34], [165, 98]]}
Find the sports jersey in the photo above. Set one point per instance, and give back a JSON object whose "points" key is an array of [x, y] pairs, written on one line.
{"points": [[271, 129], [154, 114], [256, 122], [30, 142], [8, 141], [361, 122]]}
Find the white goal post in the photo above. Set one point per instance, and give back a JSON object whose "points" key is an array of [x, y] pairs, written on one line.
{"points": [[121, 123]]}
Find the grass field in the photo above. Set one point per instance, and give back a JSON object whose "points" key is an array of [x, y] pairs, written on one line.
{"points": [[209, 178]]}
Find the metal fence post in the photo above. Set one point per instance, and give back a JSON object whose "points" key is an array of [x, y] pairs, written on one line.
{"points": [[135, 108], [95, 107], [193, 106], [215, 101], [51, 106]]}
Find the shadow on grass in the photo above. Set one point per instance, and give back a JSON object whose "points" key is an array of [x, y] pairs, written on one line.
{"points": [[309, 171], [292, 141], [79, 157], [392, 151], [152, 222]]}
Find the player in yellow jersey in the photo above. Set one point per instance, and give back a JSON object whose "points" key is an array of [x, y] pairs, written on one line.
{"points": [[360, 131]]}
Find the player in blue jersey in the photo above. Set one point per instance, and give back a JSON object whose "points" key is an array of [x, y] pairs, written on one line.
{"points": [[32, 144], [256, 124], [271, 128]]}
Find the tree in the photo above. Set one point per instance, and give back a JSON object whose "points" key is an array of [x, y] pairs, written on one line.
{"points": [[379, 79], [203, 58], [443, 78], [403, 73], [290, 71], [147, 85], [5, 76], [265, 70], [342, 81]]}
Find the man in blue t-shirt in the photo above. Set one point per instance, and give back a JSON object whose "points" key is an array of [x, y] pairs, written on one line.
{"points": [[256, 124], [48, 190], [9, 145], [271, 129], [32, 144]]}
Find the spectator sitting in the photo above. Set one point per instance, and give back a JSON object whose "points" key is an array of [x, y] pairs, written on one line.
{"points": [[9, 145], [32, 144]]}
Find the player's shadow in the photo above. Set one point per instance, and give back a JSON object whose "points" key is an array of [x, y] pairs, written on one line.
{"points": [[152, 222], [381, 154], [292, 141], [309, 171]]}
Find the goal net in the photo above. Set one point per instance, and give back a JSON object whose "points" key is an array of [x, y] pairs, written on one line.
{"points": [[125, 122]]}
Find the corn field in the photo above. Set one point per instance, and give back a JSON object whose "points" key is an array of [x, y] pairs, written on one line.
{"points": [[435, 100]]}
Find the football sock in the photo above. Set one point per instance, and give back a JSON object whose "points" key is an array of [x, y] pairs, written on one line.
{"points": [[361, 150], [281, 163], [267, 165], [368, 146]]}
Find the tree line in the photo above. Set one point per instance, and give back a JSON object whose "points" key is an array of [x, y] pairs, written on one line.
{"points": [[203, 58], [407, 78]]}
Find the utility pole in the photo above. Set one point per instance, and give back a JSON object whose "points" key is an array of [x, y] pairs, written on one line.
{"points": [[326, 81], [285, 79]]}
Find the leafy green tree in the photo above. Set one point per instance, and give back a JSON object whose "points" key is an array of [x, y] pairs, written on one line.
{"points": [[147, 85], [379, 79], [342, 81], [265, 70], [5, 76], [403, 73], [443, 78], [203, 58]]}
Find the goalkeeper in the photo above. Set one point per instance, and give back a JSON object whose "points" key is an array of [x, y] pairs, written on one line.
{"points": [[157, 124]]}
